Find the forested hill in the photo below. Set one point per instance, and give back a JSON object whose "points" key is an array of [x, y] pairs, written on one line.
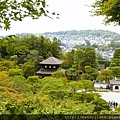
{"points": [[65, 35], [103, 34]]}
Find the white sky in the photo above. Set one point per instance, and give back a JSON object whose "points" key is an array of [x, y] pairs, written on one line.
{"points": [[74, 15]]}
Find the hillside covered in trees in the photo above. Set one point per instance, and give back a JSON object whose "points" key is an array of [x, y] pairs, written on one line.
{"points": [[22, 92], [104, 34]]}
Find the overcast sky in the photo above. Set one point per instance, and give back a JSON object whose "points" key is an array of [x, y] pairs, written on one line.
{"points": [[74, 15]]}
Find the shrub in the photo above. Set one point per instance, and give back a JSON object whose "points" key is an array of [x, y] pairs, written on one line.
{"points": [[14, 72], [58, 73]]}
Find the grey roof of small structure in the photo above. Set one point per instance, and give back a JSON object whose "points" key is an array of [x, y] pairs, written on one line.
{"points": [[52, 61], [115, 82], [43, 72]]}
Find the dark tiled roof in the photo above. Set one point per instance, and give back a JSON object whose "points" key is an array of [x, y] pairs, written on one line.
{"points": [[44, 72], [114, 82], [52, 61]]}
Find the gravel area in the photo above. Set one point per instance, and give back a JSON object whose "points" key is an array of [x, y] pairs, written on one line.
{"points": [[111, 96]]}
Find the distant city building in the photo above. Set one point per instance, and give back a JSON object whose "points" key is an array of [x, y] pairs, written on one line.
{"points": [[72, 39]]}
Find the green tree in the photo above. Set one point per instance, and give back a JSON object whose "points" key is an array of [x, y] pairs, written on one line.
{"points": [[28, 69], [68, 59], [116, 58], [73, 86], [88, 85], [109, 9], [55, 48], [54, 87], [15, 72], [7, 91], [89, 74], [17, 10], [32, 56], [58, 74], [79, 59], [5, 80], [68, 106], [116, 71], [115, 63], [44, 46], [71, 74], [114, 44], [21, 85], [14, 58], [5, 65], [100, 105], [105, 75], [35, 81], [85, 97], [85, 57]]}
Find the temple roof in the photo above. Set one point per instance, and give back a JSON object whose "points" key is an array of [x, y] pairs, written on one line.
{"points": [[115, 82], [52, 61], [44, 72]]}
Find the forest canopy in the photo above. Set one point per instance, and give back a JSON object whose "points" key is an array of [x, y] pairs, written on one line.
{"points": [[23, 92]]}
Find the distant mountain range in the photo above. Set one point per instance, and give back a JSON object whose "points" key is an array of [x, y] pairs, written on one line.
{"points": [[103, 34]]}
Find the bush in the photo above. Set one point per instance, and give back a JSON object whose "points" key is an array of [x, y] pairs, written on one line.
{"points": [[14, 72], [21, 85], [88, 85], [83, 96], [100, 105], [58, 73], [28, 69], [33, 79]]}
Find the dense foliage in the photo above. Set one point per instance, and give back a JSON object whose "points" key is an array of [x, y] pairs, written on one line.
{"points": [[115, 63], [67, 91], [28, 51], [72, 92], [81, 64], [109, 9], [16, 10], [48, 95]]}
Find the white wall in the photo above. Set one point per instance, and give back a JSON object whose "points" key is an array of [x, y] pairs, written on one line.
{"points": [[116, 89], [99, 85]]}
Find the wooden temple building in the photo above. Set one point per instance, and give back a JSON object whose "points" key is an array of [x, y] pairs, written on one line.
{"points": [[49, 66]]}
